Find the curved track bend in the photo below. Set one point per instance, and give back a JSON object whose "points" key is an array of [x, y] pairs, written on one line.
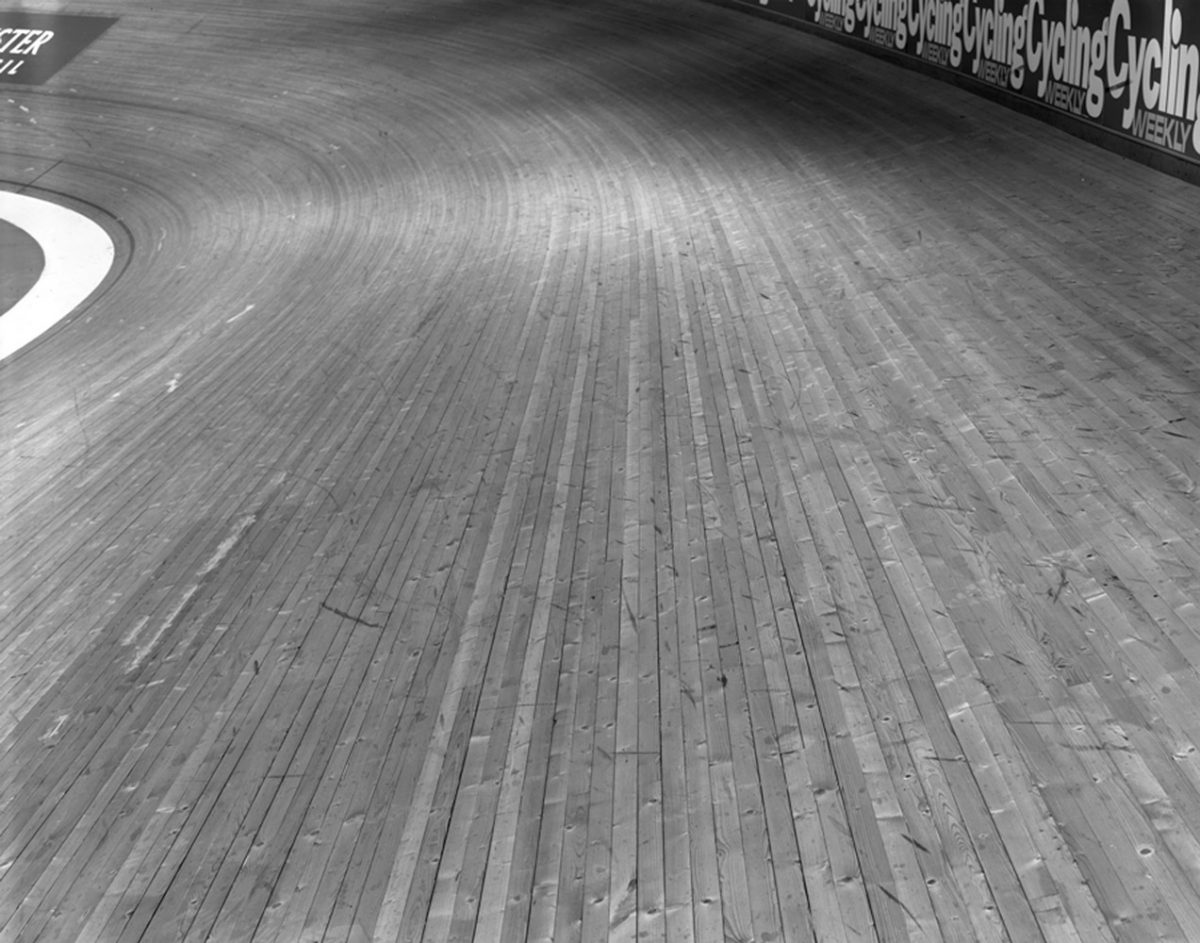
{"points": [[592, 470]]}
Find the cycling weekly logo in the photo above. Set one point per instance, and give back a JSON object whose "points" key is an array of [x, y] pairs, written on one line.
{"points": [[34, 46], [1132, 66]]}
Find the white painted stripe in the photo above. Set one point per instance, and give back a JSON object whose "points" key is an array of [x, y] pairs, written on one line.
{"points": [[78, 255], [132, 635], [53, 731], [143, 651], [228, 544], [218, 557]]}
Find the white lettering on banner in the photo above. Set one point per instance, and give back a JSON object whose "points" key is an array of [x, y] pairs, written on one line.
{"points": [[1065, 98], [998, 37], [1148, 77], [831, 21], [942, 22], [881, 36], [24, 42], [837, 15], [937, 54], [1161, 74], [885, 22], [1067, 53], [995, 73], [1162, 130]]}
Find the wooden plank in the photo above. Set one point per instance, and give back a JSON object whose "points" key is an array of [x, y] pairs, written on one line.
{"points": [[602, 803], [653, 702], [692, 578], [624, 876]]}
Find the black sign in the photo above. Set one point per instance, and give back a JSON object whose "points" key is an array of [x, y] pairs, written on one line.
{"points": [[1132, 66], [34, 46]]}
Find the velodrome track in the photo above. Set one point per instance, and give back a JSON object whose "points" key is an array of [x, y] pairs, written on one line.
{"points": [[592, 471]]}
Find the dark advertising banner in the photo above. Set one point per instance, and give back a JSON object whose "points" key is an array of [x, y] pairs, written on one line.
{"points": [[33, 46], [1131, 66]]}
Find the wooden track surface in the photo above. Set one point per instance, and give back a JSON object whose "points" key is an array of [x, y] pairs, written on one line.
{"points": [[592, 471]]}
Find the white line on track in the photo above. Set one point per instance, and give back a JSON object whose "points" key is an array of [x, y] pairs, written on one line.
{"points": [[78, 254]]}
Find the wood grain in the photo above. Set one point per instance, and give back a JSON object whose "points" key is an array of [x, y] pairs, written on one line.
{"points": [[593, 472]]}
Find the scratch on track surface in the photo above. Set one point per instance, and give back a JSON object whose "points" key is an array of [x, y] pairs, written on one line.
{"points": [[352, 618]]}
